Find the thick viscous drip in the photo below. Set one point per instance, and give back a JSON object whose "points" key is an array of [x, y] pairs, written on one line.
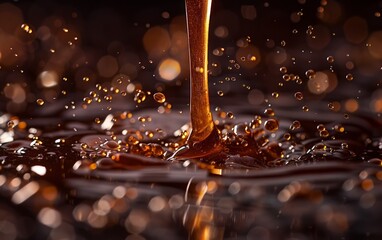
{"points": [[206, 140], [198, 18]]}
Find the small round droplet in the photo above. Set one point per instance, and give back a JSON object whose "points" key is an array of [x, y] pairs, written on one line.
{"points": [[305, 108], [310, 73], [271, 125], [330, 59], [10, 124], [269, 112], [320, 127], [221, 93], [40, 102], [287, 77], [159, 97], [295, 125], [275, 94], [331, 106], [349, 77], [299, 96], [287, 136], [140, 96], [256, 122], [324, 133], [283, 70], [339, 128], [230, 115], [87, 100]]}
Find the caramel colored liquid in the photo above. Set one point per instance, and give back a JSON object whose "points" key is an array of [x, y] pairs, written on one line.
{"points": [[198, 17], [204, 139]]}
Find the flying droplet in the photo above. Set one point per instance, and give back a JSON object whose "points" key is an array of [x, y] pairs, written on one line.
{"points": [[159, 97], [324, 133], [269, 112], [330, 59], [271, 125], [40, 102], [275, 94], [287, 136], [349, 77], [140, 96], [331, 106], [310, 73], [295, 125], [299, 96], [283, 70]]}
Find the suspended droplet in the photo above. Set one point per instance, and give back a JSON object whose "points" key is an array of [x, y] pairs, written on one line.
{"points": [[330, 59], [299, 96], [140, 96], [283, 70], [295, 125], [40, 102], [271, 125], [349, 77], [159, 97]]}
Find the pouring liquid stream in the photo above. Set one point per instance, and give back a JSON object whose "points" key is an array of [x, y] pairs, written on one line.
{"points": [[204, 137], [206, 140]]}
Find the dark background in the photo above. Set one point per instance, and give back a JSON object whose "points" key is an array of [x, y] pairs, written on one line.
{"points": [[100, 23]]}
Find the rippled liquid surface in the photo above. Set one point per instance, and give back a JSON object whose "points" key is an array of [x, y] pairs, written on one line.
{"points": [[73, 179]]}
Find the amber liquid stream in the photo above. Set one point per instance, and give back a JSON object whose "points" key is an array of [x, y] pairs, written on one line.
{"points": [[204, 137]]}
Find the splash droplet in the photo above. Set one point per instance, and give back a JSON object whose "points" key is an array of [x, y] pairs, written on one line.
{"points": [[299, 96], [40, 102], [159, 97], [271, 125]]}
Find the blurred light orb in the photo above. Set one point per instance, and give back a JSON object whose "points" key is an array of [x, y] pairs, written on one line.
{"points": [[248, 12], [48, 79], [11, 17], [375, 44], [319, 83], [221, 32], [107, 66], [351, 105], [256, 97], [169, 69], [248, 56], [156, 41], [15, 92], [355, 29]]}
